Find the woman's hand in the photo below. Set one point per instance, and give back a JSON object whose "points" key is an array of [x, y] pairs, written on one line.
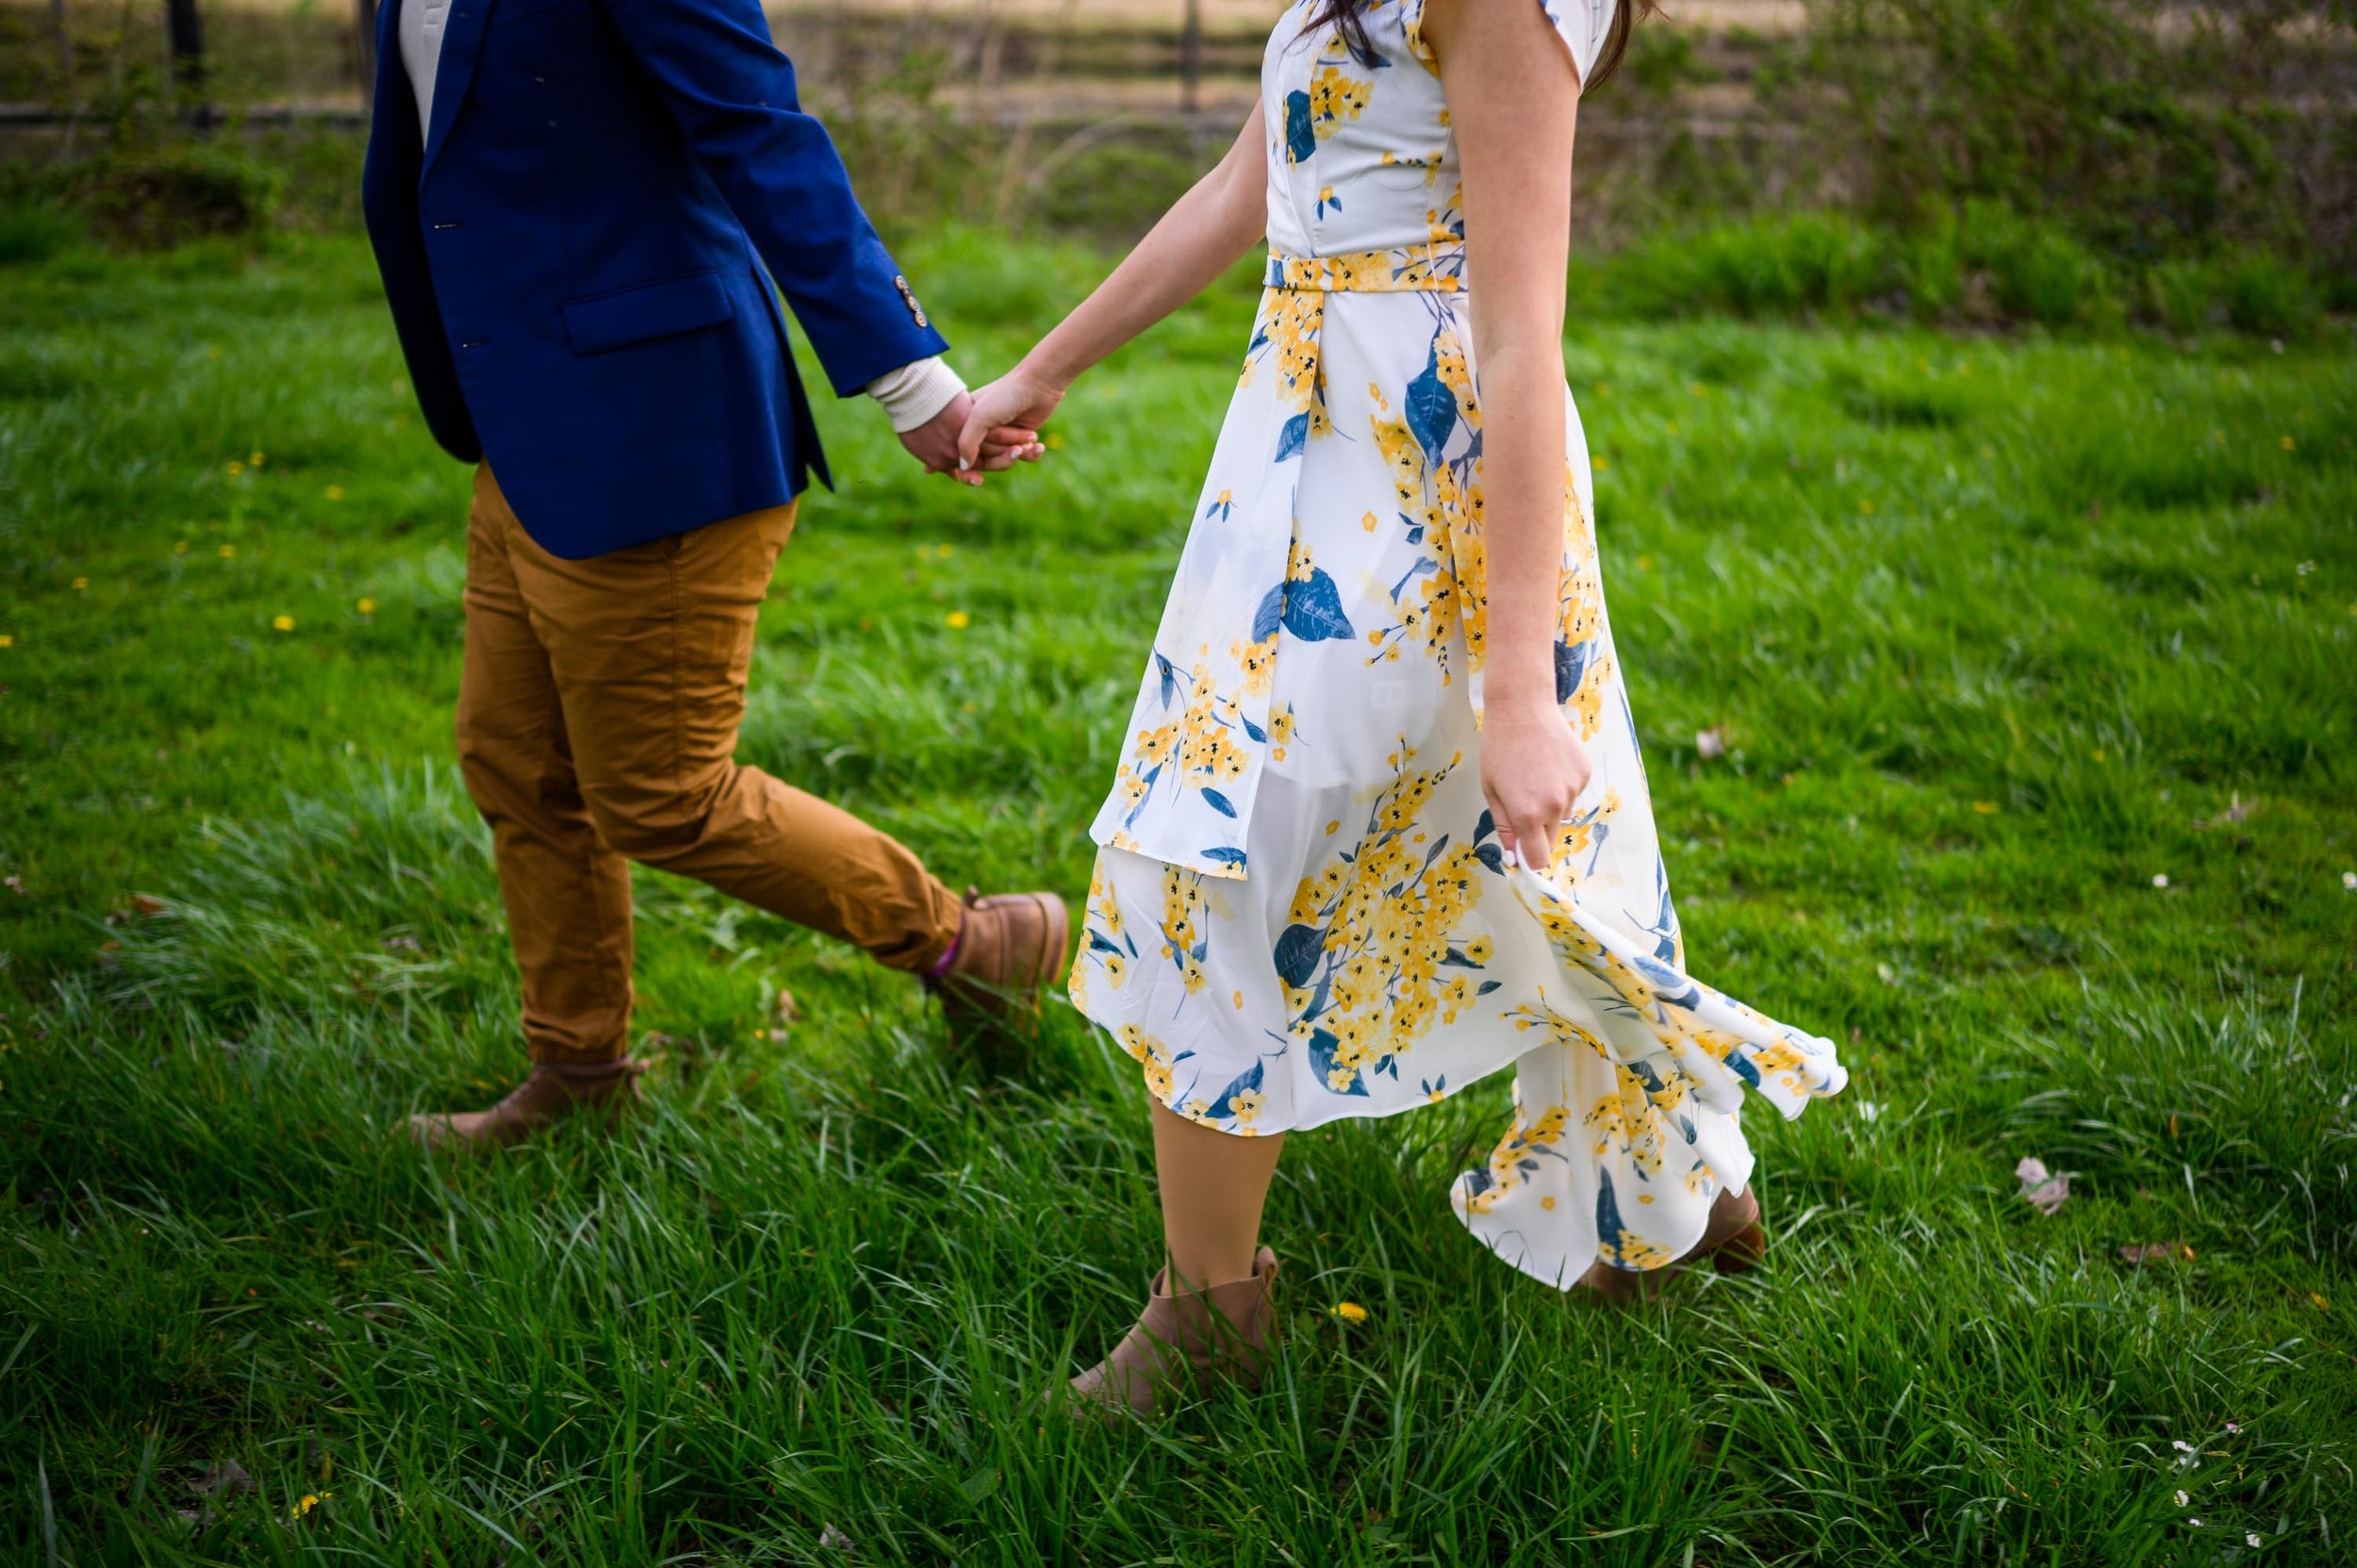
{"points": [[1532, 770], [1018, 401]]}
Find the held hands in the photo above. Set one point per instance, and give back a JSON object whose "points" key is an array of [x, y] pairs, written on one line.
{"points": [[1020, 402], [1532, 770], [938, 444]]}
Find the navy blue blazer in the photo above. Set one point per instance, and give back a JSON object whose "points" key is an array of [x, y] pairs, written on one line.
{"points": [[574, 254]]}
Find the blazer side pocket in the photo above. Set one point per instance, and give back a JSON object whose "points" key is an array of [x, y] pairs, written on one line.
{"points": [[646, 311]]}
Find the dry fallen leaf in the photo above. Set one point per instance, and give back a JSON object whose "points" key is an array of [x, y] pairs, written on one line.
{"points": [[2157, 1252], [147, 903], [2042, 1189]]}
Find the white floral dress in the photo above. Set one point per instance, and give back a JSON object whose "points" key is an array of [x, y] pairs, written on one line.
{"points": [[1300, 909]]}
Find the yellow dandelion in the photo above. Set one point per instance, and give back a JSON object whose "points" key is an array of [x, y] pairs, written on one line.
{"points": [[334, 492], [255, 460], [283, 623], [2287, 443], [1644, 563], [957, 621], [6, 642], [81, 583], [213, 351], [2322, 1305], [368, 606], [1867, 507], [1598, 464], [1053, 440], [228, 552], [1349, 1312], [1987, 808], [180, 548], [232, 468]]}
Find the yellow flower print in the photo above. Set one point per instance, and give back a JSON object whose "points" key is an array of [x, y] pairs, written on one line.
{"points": [[1363, 956], [1336, 96], [1185, 940]]}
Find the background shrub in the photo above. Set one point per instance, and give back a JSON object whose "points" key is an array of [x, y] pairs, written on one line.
{"points": [[190, 190]]}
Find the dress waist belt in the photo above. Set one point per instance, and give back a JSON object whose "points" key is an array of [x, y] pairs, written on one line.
{"points": [[1438, 267]]}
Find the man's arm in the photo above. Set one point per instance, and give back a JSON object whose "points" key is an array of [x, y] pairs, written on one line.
{"points": [[733, 92]]}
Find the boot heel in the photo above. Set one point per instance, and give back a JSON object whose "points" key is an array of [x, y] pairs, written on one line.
{"points": [[1741, 1252]]}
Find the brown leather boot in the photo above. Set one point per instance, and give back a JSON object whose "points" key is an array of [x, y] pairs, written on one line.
{"points": [[1733, 1241], [549, 1093], [1224, 1334], [1010, 945]]}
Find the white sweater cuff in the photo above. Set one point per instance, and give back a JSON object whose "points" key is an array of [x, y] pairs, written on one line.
{"points": [[914, 394]]}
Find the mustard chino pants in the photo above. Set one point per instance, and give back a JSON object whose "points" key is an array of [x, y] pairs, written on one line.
{"points": [[598, 716]]}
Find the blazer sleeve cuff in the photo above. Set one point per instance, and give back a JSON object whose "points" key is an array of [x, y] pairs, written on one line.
{"points": [[916, 394]]}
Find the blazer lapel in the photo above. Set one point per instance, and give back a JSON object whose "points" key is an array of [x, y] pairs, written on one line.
{"points": [[462, 45]]}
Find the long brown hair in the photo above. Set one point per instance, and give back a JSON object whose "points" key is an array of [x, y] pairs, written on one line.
{"points": [[1346, 15]]}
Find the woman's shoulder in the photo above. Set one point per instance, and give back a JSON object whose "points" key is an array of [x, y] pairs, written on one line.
{"points": [[1582, 25]]}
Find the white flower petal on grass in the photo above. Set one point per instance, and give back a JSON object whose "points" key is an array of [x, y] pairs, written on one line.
{"points": [[2042, 1189], [2251, 1538], [2349, 881], [2181, 1445], [1868, 1110], [2183, 1499], [2160, 879]]}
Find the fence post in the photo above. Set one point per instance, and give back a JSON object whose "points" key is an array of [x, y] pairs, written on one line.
{"points": [[1191, 57], [364, 23], [184, 39], [65, 51]]}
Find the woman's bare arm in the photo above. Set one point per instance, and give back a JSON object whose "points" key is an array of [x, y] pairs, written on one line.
{"points": [[1513, 99], [1224, 215]]}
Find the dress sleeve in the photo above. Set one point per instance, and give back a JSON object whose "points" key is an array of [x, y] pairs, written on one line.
{"points": [[1582, 25]]}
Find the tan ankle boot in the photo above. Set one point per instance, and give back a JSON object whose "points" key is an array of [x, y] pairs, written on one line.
{"points": [[1009, 946], [1224, 1334], [549, 1093], [1733, 1241]]}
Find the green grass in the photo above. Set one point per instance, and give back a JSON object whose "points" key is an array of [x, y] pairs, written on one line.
{"points": [[1998, 633]]}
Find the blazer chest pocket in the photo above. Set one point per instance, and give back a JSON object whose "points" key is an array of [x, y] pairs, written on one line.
{"points": [[650, 310]]}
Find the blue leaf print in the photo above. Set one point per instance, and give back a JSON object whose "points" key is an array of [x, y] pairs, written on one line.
{"points": [[1674, 988], [1301, 137], [1608, 1228], [1490, 856], [1099, 942], [1223, 1103], [1269, 616], [1314, 610], [1258, 734], [1487, 986], [1431, 406], [1478, 1181], [1486, 826], [1297, 953], [1570, 664], [1322, 1044], [1294, 437], [1170, 676], [1218, 802], [1225, 855]]}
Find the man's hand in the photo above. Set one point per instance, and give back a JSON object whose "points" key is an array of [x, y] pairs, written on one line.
{"points": [[934, 443]]}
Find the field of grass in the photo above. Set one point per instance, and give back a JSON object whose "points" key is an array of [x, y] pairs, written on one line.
{"points": [[2036, 667]]}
